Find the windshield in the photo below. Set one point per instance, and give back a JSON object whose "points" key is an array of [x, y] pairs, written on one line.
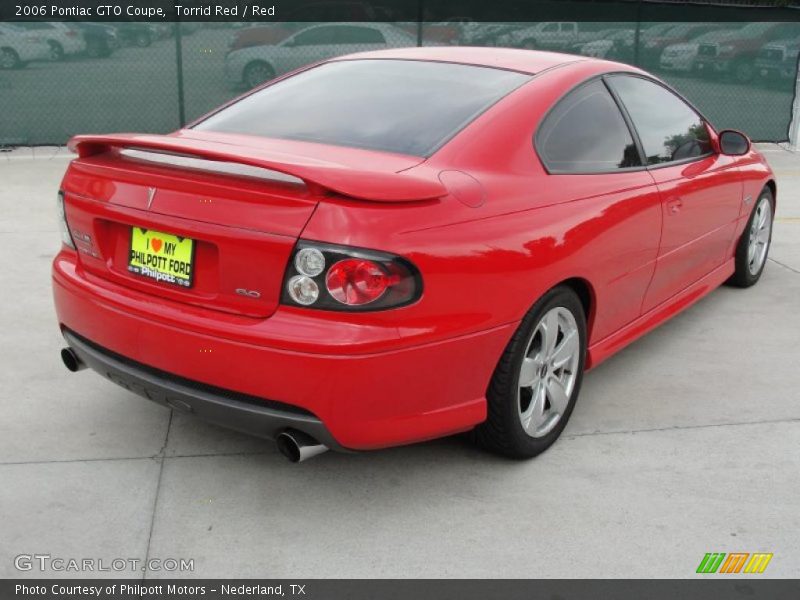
{"points": [[402, 106]]}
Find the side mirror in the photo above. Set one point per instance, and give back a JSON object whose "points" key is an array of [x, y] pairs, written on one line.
{"points": [[733, 143]]}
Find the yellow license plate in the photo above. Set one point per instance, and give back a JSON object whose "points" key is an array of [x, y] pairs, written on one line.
{"points": [[161, 256]]}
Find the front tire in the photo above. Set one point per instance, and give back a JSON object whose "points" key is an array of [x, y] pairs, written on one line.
{"points": [[744, 71], [9, 59], [753, 246], [256, 73], [538, 379]]}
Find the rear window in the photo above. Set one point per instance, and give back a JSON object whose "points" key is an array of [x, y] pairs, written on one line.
{"points": [[403, 106]]}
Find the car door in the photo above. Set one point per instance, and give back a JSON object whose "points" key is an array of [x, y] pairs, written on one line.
{"points": [[701, 191], [596, 170]]}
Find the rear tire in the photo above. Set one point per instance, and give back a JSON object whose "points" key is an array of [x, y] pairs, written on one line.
{"points": [[56, 51], [753, 246], [537, 380]]}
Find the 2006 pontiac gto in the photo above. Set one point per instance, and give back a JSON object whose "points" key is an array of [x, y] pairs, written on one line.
{"points": [[395, 246]]}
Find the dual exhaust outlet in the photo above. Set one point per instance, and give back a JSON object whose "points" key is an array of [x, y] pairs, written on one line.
{"points": [[295, 445]]}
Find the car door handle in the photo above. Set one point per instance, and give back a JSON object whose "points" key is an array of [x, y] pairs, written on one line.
{"points": [[674, 206]]}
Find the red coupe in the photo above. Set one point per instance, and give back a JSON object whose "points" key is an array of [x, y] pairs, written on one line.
{"points": [[400, 245]]}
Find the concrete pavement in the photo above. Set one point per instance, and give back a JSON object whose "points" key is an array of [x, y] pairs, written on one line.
{"points": [[684, 443]]}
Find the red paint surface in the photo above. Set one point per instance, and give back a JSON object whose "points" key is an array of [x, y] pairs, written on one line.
{"points": [[485, 250]]}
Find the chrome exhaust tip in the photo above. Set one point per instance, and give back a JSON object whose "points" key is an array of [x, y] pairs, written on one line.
{"points": [[71, 360], [297, 446]]}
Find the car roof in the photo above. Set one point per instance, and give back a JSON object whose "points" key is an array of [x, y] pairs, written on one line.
{"points": [[525, 61]]}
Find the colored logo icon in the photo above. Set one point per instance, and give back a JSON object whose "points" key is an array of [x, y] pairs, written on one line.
{"points": [[736, 562]]}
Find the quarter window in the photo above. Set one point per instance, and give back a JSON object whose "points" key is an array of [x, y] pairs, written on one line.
{"points": [[670, 130], [585, 133]]}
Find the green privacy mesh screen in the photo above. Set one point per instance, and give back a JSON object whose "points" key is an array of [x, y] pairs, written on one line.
{"points": [[59, 79]]}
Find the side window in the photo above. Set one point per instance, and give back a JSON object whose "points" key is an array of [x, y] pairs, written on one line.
{"points": [[669, 128], [315, 37], [550, 27], [585, 133]]}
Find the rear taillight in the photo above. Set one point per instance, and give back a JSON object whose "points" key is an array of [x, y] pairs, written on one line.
{"points": [[66, 237], [332, 277]]}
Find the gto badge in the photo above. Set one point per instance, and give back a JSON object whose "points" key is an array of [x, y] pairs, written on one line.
{"points": [[248, 293]]}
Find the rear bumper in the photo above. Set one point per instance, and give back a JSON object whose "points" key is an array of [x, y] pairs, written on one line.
{"points": [[254, 416], [360, 381]]}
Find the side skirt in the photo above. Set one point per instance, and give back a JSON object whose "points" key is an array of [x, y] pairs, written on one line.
{"points": [[603, 349]]}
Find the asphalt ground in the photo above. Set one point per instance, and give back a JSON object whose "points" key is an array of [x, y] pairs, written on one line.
{"points": [[684, 443]]}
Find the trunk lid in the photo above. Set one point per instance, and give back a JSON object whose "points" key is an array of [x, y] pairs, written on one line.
{"points": [[243, 203]]}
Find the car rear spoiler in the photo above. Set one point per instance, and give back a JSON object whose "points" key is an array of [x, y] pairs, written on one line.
{"points": [[318, 175]]}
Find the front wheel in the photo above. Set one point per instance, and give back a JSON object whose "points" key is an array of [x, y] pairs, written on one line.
{"points": [[744, 71], [538, 379], [9, 59], [256, 73], [753, 246]]}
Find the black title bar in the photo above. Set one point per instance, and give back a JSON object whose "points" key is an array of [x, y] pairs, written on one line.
{"points": [[398, 10]]}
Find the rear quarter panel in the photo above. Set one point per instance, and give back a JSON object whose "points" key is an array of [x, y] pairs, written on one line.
{"points": [[486, 265]]}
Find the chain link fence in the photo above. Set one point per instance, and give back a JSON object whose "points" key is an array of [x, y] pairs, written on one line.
{"points": [[59, 79]]}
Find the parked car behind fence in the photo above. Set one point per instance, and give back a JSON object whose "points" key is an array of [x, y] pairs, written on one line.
{"points": [[252, 66], [18, 47], [64, 39], [735, 53], [681, 57], [778, 60]]}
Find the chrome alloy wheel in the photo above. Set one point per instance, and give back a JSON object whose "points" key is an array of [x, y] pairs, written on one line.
{"points": [[760, 230], [549, 371]]}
